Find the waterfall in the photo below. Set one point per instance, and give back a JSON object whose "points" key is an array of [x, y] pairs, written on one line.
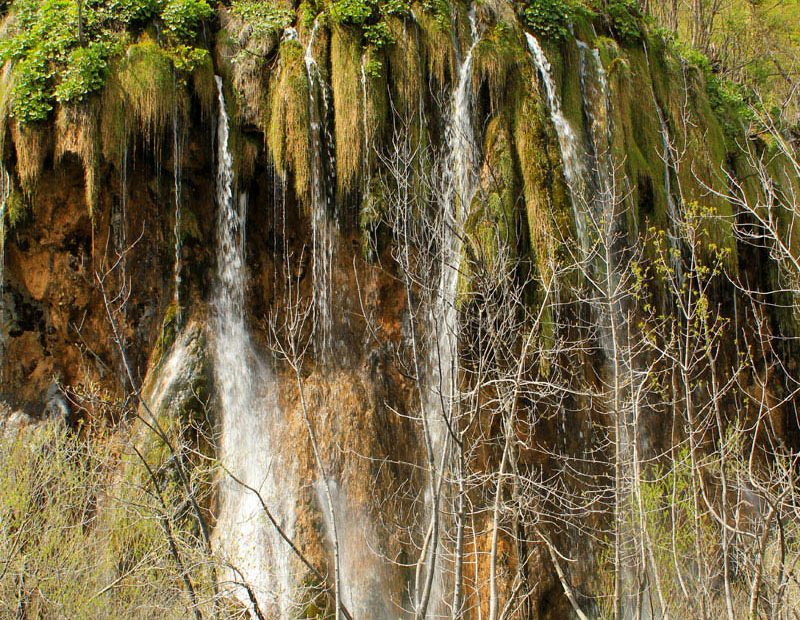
{"points": [[460, 182], [673, 234], [364, 578], [5, 191], [597, 109], [250, 418], [571, 151], [321, 197], [177, 159]]}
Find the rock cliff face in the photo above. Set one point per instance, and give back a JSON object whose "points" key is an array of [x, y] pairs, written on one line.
{"points": [[357, 278]]}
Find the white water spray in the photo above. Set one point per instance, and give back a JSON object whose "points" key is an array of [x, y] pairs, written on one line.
{"points": [[250, 418], [364, 578]]}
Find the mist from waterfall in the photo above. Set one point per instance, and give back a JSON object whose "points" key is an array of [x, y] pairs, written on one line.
{"points": [[250, 419], [364, 576]]}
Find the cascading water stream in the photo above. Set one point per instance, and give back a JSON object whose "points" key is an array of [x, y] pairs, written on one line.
{"points": [[597, 108], [177, 159], [321, 197], [571, 152], [5, 191], [673, 234], [460, 182], [250, 418]]}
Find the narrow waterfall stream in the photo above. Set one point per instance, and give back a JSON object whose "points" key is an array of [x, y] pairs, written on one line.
{"points": [[177, 162], [462, 171], [673, 232], [321, 198], [597, 109], [571, 152], [460, 181], [5, 191], [250, 418]]}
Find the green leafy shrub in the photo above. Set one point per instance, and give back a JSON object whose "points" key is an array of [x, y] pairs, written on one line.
{"points": [[182, 18], [51, 64], [625, 19], [30, 96], [728, 99], [352, 12], [85, 72], [378, 35], [265, 18], [396, 8], [549, 18]]}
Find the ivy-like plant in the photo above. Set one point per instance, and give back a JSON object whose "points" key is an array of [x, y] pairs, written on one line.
{"points": [[549, 18], [51, 64]]}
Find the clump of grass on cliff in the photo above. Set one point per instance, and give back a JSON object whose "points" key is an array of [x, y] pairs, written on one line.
{"points": [[77, 134], [287, 134], [141, 97], [349, 105], [500, 58]]}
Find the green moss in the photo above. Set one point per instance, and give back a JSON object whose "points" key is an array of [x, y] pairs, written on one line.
{"points": [[140, 98], [16, 207], [166, 337], [637, 142], [547, 202], [491, 224], [405, 67], [436, 38], [500, 58]]}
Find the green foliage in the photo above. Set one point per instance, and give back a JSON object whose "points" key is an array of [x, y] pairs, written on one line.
{"points": [[352, 12], [85, 72], [378, 35], [373, 68], [265, 18], [187, 58], [728, 99], [182, 18], [549, 18], [625, 19], [396, 8], [30, 94], [53, 64]]}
